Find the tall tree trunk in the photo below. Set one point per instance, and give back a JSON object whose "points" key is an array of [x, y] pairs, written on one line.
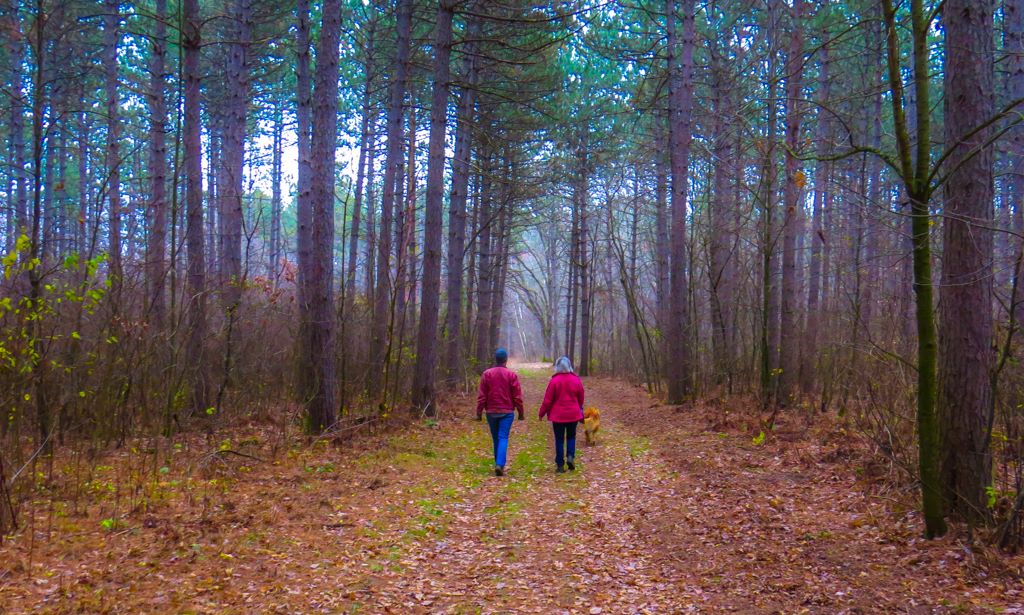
{"points": [[196, 278], [233, 152], [274, 264], [15, 50], [915, 169], [581, 196], [371, 213], [1013, 47], [321, 397], [457, 211], [766, 196], [365, 136], [965, 317], [789, 347], [303, 187], [680, 68], [84, 132], [111, 39], [499, 264], [722, 273], [661, 248], [382, 300], [156, 265], [424, 386], [483, 269], [822, 197]]}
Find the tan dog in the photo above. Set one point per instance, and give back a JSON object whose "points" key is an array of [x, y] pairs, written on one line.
{"points": [[591, 424]]}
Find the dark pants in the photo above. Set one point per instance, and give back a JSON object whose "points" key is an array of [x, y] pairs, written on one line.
{"points": [[565, 441]]}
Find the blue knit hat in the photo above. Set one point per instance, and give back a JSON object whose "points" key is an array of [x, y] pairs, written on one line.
{"points": [[500, 356]]}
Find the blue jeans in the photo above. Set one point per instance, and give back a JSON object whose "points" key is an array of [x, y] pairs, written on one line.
{"points": [[565, 441], [501, 425]]}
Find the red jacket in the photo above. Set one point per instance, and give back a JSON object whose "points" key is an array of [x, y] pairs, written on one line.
{"points": [[563, 399], [499, 391]]}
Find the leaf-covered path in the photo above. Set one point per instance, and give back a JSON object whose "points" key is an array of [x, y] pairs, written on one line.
{"points": [[668, 514]]}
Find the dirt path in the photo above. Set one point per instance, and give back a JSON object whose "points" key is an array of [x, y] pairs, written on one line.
{"points": [[664, 516]]}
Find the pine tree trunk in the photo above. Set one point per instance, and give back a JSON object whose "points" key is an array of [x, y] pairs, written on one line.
{"points": [[1013, 60], [371, 213], [821, 200], [766, 197], [424, 375], [661, 248], [382, 309], [233, 152], [483, 271], [196, 275], [965, 317], [789, 346], [457, 212], [15, 50], [365, 135], [156, 261], [722, 272], [274, 260], [111, 38], [580, 196], [318, 314], [680, 67]]}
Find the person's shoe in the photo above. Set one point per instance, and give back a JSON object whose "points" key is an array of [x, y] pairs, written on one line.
{"points": [[560, 470], [499, 471], [570, 462]]}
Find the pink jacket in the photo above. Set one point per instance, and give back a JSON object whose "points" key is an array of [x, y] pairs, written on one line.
{"points": [[499, 391], [563, 399]]}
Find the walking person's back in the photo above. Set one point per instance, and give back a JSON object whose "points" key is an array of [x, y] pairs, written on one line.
{"points": [[563, 405], [500, 397]]}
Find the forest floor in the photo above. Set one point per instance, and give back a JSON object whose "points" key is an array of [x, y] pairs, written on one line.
{"points": [[673, 511]]}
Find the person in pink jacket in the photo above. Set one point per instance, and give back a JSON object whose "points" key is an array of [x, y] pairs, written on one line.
{"points": [[563, 405]]}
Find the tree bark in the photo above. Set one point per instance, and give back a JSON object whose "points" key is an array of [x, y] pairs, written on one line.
{"points": [[680, 67], [915, 168], [483, 269], [156, 265], [1013, 46], [276, 244], [111, 39], [233, 152], [196, 274], [822, 198], [366, 135], [321, 397], [15, 50], [965, 317], [581, 196], [789, 347], [457, 212], [425, 372], [722, 273], [382, 312]]}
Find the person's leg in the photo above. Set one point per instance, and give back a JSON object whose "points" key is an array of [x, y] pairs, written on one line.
{"points": [[493, 422], [559, 444], [504, 428], [570, 445]]}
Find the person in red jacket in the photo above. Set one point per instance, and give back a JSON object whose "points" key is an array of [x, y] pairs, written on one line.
{"points": [[499, 395], [563, 405]]}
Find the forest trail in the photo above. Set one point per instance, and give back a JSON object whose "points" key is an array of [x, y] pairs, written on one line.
{"points": [[673, 511]]}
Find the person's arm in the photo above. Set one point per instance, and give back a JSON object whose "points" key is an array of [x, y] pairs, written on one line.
{"points": [[580, 395], [517, 396], [481, 398], [545, 405]]}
